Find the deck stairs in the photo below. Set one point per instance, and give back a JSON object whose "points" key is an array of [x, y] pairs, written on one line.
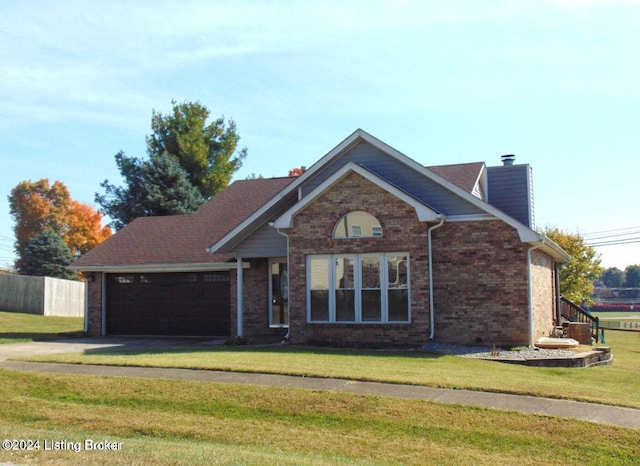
{"points": [[571, 312]]}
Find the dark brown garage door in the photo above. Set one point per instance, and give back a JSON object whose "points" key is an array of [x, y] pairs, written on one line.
{"points": [[168, 304]]}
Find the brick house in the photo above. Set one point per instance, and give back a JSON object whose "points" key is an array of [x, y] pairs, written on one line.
{"points": [[366, 247]]}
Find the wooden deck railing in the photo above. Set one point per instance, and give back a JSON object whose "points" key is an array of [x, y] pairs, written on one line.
{"points": [[574, 313]]}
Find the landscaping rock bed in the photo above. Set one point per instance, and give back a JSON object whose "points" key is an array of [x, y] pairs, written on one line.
{"points": [[485, 352], [539, 357]]}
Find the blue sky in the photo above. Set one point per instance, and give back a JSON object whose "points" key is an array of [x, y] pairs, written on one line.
{"points": [[555, 82]]}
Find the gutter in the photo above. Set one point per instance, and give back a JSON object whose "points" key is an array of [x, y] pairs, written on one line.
{"points": [[432, 329], [153, 268]]}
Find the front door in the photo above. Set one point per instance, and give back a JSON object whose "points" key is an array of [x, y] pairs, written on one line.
{"points": [[278, 293]]}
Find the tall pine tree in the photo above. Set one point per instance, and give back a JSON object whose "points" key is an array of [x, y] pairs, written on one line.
{"points": [[190, 161]]}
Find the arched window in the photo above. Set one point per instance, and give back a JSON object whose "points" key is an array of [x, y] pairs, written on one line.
{"points": [[357, 224]]}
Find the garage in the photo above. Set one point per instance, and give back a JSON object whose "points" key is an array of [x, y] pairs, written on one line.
{"points": [[180, 304]]}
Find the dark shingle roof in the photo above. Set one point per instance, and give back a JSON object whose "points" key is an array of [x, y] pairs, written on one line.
{"points": [[463, 175], [183, 239]]}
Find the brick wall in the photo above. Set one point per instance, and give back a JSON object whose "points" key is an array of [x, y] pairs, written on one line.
{"points": [[255, 300], [312, 234], [480, 284], [544, 295]]}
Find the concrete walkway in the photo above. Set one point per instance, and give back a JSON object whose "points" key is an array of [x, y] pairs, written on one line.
{"points": [[603, 414]]}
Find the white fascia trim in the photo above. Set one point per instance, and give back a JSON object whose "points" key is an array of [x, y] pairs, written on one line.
{"points": [[424, 213], [155, 268], [480, 186], [470, 218]]}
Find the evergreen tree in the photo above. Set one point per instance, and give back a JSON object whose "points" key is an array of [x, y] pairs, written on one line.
{"points": [[154, 187], [207, 152], [46, 255], [189, 162]]}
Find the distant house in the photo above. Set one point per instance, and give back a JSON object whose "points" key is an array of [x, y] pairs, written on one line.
{"points": [[366, 247]]}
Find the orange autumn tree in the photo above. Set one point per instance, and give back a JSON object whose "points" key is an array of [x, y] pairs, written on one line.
{"points": [[84, 228], [39, 206]]}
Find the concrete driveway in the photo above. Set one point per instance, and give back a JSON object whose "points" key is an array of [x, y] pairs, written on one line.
{"points": [[19, 350]]}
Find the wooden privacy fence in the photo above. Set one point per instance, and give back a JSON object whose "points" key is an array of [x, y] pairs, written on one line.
{"points": [[42, 295]]}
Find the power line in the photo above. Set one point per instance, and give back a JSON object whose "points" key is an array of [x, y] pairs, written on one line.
{"points": [[616, 242], [614, 237], [616, 230], [611, 236]]}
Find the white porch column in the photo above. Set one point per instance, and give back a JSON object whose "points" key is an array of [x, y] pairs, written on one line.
{"points": [[239, 289]]}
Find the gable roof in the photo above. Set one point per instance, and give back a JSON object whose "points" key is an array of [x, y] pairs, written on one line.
{"points": [[179, 242], [526, 234], [423, 211], [205, 239]]}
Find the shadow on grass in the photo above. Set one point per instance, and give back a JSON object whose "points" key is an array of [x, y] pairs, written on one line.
{"points": [[18, 337], [169, 347]]}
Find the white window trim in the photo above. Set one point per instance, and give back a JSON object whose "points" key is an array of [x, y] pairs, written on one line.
{"points": [[384, 287]]}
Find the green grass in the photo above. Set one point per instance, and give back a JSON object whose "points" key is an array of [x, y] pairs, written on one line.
{"points": [[616, 384], [171, 422], [179, 422], [628, 315], [17, 327], [627, 321]]}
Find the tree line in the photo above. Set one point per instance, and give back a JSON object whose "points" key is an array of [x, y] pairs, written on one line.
{"points": [[189, 160], [613, 277]]}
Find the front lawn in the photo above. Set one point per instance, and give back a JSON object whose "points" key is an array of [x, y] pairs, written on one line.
{"points": [[17, 327], [616, 384], [172, 422]]}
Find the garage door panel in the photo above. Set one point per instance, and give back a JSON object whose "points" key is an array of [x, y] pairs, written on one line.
{"points": [[168, 304]]}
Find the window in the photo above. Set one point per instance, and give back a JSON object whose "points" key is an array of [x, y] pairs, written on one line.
{"points": [[123, 279], [358, 288], [357, 224]]}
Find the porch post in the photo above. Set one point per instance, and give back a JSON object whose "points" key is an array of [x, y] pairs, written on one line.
{"points": [[239, 286]]}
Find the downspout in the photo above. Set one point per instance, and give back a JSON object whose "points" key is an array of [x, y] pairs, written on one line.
{"points": [[432, 329], [530, 280], [239, 304], [286, 337]]}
